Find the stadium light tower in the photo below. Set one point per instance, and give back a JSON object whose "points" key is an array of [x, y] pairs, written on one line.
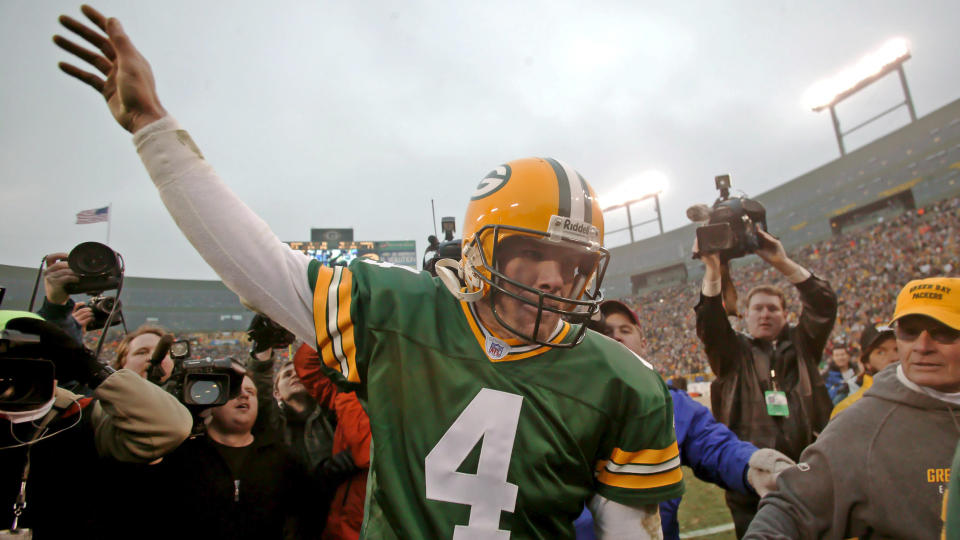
{"points": [[649, 185], [827, 93]]}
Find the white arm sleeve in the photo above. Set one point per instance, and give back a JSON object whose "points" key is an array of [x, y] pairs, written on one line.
{"points": [[238, 245], [612, 520]]}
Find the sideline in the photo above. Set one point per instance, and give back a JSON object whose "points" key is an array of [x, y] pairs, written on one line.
{"points": [[708, 531]]}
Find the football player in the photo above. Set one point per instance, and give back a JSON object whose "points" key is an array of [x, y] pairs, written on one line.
{"points": [[485, 424]]}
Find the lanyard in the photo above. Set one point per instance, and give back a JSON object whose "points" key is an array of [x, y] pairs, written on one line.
{"points": [[20, 504]]}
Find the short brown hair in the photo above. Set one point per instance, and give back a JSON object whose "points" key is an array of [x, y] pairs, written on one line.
{"points": [[124, 348], [770, 290]]}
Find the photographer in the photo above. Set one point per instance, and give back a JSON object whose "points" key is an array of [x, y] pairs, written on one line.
{"points": [[58, 308], [768, 389], [50, 449]]}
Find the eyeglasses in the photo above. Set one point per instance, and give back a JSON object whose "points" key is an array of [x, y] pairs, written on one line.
{"points": [[941, 333]]}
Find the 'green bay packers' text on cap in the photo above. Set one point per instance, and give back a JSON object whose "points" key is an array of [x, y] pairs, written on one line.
{"points": [[937, 298]]}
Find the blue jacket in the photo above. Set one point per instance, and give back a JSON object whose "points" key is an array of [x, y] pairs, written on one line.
{"points": [[708, 447], [836, 387]]}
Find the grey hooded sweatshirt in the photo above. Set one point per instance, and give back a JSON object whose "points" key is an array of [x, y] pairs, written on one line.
{"points": [[879, 470]]}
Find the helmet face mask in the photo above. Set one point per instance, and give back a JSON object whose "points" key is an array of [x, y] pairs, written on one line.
{"points": [[554, 209]]}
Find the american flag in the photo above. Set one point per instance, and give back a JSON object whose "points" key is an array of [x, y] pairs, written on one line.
{"points": [[95, 215]]}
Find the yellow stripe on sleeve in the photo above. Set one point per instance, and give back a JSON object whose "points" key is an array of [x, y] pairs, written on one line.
{"points": [[324, 343], [345, 324], [637, 481], [331, 316], [646, 456]]}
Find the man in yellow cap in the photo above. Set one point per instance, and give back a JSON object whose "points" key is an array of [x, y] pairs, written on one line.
{"points": [[891, 447]]}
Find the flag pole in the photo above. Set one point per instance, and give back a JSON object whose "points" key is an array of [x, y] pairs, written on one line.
{"points": [[109, 217]]}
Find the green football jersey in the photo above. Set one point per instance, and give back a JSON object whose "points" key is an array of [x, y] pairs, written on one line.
{"points": [[475, 437]]}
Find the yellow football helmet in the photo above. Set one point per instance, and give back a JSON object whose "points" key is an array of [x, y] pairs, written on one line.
{"points": [[548, 200]]}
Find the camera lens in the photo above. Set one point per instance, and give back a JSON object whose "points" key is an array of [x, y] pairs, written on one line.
{"points": [[180, 349], [92, 258], [204, 392]]}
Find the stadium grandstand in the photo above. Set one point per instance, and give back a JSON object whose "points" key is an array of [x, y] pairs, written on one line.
{"points": [[176, 304], [868, 222], [911, 167]]}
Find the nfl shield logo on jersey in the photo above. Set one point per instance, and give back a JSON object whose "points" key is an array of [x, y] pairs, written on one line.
{"points": [[496, 349]]}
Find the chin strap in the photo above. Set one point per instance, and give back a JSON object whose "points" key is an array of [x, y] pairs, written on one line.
{"points": [[448, 270]]}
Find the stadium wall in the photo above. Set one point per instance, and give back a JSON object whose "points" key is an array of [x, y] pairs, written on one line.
{"points": [[176, 304], [922, 158]]}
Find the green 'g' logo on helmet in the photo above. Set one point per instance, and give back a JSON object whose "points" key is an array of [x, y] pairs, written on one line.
{"points": [[492, 183]]}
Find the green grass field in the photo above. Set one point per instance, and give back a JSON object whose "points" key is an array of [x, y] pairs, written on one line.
{"points": [[703, 507]]}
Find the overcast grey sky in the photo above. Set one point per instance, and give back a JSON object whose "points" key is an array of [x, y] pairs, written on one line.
{"points": [[357, 114]]}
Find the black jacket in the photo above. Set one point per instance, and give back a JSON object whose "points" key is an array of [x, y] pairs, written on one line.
{"points": [[268, 499], [742, 366]]}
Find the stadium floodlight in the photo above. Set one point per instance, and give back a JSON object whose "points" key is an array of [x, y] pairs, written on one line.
{"points": [[826, 94], [648, 185]]}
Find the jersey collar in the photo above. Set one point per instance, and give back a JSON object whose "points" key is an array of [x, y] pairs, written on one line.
{"points": [[506, 350]]}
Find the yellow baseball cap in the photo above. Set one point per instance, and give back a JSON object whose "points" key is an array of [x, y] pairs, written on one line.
{"points": [[937, 298]]}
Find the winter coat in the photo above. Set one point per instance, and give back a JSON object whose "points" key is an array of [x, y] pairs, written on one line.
{"points": [[128, 420], [269, 498], [743, 364], [879, 470], [317, 435], [352, 434], [852, 398]]}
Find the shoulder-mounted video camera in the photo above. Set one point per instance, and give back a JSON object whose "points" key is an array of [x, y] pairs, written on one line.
{"points": [[201, 383], [732, 222]]}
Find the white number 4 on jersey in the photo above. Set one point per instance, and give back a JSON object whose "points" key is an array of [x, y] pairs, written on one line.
{"points": [[492, 416]]}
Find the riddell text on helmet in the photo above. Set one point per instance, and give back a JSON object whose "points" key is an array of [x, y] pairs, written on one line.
{"points": [[565, 227]]}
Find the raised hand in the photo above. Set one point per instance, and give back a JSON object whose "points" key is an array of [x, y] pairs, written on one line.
{"points": [[771, 250], [711, 261], [56, 276], [83, 315], [128, 86]]}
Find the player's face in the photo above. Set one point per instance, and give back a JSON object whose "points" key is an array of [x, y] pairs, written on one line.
{"points": [[238, 414], [621, 328], [929, 352], [883, 354], [765, 317], [841, 358], [288, 384], [138, 357], [540, 265]]}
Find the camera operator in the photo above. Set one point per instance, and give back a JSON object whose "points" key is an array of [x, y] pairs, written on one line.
{"points": [[136, 349], [768, 389], [50, 449], [234, 484]]}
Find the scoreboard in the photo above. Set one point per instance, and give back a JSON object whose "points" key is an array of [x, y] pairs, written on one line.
{"points": [[403, 252]]}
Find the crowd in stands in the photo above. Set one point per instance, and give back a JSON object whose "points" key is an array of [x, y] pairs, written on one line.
{"points": [[202, 344], [866, 268]]}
